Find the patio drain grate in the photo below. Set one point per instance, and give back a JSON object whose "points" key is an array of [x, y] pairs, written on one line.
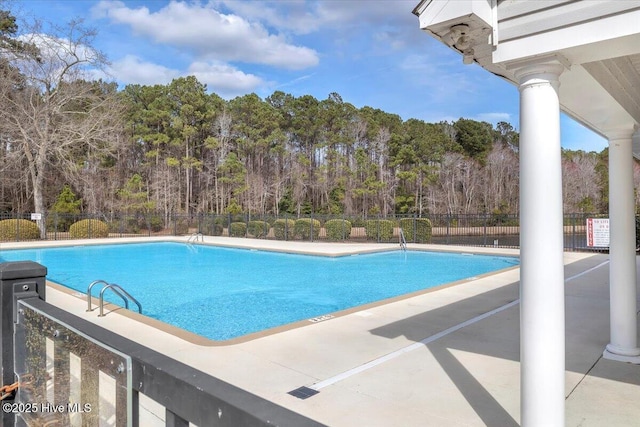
{"points": [[303, 392]]}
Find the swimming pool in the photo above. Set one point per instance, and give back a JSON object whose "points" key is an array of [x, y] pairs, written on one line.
{"points": [[224, 293]]}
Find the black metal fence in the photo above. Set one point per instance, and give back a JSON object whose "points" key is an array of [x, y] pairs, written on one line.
{"points": [[495, 230], [72, 372]]}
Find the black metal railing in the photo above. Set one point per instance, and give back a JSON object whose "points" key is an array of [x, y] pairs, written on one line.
{"points": [[497, 230], [72, 372]]}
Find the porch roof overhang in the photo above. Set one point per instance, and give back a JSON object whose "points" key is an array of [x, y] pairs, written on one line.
{"points": [[598, 42]]}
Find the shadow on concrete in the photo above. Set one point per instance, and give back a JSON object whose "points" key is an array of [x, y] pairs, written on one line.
{"points": [[498, 336], [482, 402]]}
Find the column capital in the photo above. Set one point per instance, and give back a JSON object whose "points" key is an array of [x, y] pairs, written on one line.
{"points": [[620, 133], [548, 67]]}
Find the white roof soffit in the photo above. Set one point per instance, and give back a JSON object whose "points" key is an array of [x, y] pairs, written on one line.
{"points": [[595, 108], [601, 86], [579, 41]]}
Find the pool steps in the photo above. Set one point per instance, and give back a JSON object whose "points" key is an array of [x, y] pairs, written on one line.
{"points": [[117, 289]]}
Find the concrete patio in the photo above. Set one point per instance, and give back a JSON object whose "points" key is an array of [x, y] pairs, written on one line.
{"points": [[447, 357]]}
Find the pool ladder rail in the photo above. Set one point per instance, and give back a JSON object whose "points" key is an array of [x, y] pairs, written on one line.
{"points": [[195, 237], [403, 241], [117, 289]]}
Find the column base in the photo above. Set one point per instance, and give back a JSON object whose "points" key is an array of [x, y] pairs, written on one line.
{"points": [[627, 356]]}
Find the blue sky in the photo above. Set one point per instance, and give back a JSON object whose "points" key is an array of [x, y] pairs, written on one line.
{"points": [[370, 52]]}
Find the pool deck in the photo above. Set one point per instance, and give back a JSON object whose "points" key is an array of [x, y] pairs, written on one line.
{"points": [[448, 357]]}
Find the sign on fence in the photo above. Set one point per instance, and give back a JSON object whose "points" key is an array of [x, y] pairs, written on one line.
{"points": [[598, 232], [36, 216]]}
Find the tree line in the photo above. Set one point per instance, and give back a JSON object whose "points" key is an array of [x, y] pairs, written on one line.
{"points": [[70, 143]]}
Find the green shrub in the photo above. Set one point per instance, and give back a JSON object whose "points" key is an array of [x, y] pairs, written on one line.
{"points": [[18, 229], [379, 229], [258, 229], [238, 229], [283, 228], [88, 228], [338, 229], [307, 228], [63, 212], [421, 226]]}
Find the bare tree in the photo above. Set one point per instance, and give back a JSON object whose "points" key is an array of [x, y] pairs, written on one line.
{"points": [[580, 182], [450, 182], [54, 112], [501, 175]]}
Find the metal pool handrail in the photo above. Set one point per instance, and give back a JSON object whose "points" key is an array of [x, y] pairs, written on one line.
{"points": [[403, 241], [117, 289], [195, 237], [95, 282]]}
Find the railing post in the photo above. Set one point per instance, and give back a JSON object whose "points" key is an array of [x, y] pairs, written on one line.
{"points": [[18, 280]]}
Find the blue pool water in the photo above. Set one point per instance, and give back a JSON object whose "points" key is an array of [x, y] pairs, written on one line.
{"points": [[223, 293]]}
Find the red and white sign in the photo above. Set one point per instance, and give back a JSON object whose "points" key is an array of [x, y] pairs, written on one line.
{"points": [[598, 232]]}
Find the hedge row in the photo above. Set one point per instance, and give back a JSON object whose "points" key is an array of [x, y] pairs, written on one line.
{"points": [[22, 229], [414, 229], [18, 229]]}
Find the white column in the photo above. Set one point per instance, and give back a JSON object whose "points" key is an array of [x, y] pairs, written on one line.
{"points": [[622, 250], [542, 327]]}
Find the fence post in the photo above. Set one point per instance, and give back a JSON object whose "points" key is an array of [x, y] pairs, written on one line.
{"points": [[286, 226], [415, 228], [448, 227], [486, 215], [18, 280], [311, 227]]}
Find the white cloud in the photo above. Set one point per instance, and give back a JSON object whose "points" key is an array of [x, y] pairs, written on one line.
{"points": [[209, 34], [220, 78], [387, 12], [387, 22], [224, 79], [133, 70], [294, 16]]}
